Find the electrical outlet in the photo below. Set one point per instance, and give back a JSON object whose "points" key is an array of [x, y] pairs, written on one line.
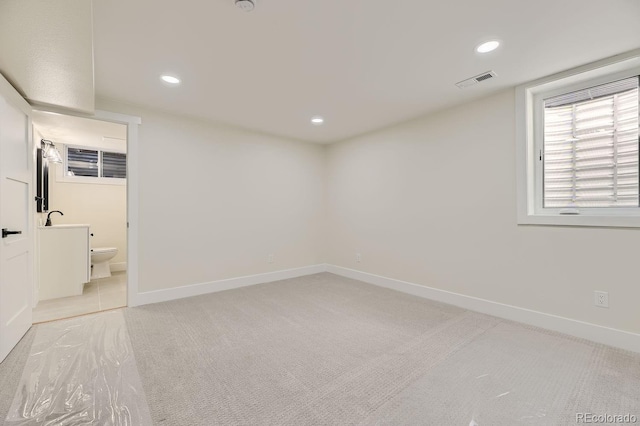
{"points": [[601, 299], [358, 257], [270, 258]]}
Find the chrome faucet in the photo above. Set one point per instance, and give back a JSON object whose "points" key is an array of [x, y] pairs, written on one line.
{"points": [[49, 216]]}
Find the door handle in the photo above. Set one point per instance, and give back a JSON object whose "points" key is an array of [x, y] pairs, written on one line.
{"points": [[6, 232]]}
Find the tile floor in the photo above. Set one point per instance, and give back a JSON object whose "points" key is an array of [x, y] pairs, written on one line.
{"points": [[99, 295]]}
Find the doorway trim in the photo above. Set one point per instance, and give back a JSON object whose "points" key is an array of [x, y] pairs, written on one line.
{"points": [[132, 122]]}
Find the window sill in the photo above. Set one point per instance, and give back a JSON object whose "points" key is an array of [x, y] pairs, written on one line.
{"points": [[580, 220], [90, 180]]}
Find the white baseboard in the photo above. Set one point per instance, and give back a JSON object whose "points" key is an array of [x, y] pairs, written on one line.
{"points": [[605, 335], [228, 284], [597, 333], [118, 266]]}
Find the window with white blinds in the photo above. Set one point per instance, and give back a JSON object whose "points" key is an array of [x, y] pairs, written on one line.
{"points": [[84, 162], [590, 147]]}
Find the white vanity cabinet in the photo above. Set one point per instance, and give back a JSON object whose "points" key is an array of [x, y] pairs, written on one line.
{"points": [[64, 259]]}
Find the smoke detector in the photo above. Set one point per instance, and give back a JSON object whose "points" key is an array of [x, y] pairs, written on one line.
{"points": [[476, 79], [246, 5]]}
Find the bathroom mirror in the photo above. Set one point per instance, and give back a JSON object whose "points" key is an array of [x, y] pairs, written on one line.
{"points": [[47, 153], [42, 183]]}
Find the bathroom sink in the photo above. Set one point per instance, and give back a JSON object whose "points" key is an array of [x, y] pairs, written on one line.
{"points": [[71, 225]]}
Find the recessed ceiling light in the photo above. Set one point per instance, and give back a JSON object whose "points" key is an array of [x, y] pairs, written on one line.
{"points": [[317, 120], [488, 46], [170, 79], [246, 5]]}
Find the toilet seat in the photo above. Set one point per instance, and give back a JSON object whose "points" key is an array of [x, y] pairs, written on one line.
{"points": [[104, 250]]}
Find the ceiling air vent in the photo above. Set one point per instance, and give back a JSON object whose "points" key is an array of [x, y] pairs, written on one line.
{"points": [[477, 79]]}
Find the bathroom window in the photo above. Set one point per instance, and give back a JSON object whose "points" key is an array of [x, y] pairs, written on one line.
{"points": [[82, 162], [114, 165], [87, 164]]}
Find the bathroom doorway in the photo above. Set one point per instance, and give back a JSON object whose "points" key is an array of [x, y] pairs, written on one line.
{"points": [[81, 220]]}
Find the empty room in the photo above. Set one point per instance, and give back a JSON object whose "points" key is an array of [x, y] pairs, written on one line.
{"points": [[268, 212]]}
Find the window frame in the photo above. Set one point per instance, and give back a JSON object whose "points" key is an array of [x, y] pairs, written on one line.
{"points": [[99, 180], [529, 140]]}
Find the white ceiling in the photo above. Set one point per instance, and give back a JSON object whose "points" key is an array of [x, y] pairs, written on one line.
{"points": [[71, 130], [361, 64]]}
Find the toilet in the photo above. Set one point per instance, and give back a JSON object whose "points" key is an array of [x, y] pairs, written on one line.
{"points": [[100, 258]]}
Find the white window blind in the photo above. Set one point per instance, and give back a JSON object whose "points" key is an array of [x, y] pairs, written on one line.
{"points": [[590, 156]]}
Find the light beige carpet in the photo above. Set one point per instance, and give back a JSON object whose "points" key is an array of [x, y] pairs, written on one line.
{"points": [[326, 350]]}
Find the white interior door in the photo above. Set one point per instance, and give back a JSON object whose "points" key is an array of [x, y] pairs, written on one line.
{"points": [[16, 247]]}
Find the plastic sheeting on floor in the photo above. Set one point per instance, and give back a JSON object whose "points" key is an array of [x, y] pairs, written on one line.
{"points": [[79, 372]]}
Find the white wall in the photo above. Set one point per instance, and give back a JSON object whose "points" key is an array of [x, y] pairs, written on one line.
{"points": [[104, 207], [215, 201], [433, 202]]}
